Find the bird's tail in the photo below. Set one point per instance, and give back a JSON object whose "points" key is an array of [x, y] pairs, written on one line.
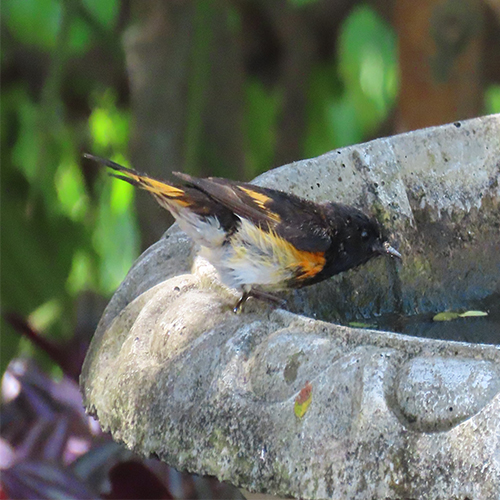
{"points": [[204, 219], [168, 195]]}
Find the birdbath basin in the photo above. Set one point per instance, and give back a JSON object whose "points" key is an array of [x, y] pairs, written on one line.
{"points": [[293, 401]]}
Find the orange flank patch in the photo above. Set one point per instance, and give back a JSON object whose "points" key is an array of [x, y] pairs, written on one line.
{"points": [[311, 264], [300, 263], [261, 200]]}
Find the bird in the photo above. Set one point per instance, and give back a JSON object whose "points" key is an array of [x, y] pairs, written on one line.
{"points": [[262, 240]]}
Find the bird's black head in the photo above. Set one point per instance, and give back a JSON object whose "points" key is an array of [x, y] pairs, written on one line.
{"points": [[356, 238]]}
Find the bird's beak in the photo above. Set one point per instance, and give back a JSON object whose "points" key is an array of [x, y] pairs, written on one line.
{"points": [[386, 249]]}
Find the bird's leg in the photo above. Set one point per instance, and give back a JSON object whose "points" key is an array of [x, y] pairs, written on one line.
{"points": [[258, 294], [266, 297]]}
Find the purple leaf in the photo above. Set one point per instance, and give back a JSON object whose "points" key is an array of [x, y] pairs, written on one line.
{"points": [[44, 480]]}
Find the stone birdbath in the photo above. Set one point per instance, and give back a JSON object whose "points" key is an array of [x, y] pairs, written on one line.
{"points": [[293, 402]]}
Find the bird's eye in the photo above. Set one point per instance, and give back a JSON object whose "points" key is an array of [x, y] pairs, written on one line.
{"points": [[364, 235]]}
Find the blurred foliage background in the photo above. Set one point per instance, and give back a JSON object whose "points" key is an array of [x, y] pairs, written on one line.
{"points": [[224, 87]]}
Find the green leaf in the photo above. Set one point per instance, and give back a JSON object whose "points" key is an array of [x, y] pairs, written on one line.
{"points": [[367, 64], [122, 196], [80, 37], [492, 99], [45, 315], [105, 12], [358, 324], [71, 192], [449, 315], [473, 314], [82, 274], [344, 121], [344, 107], [36, 256], [109, 126], [37, 23], [42, 151], [26, 150], [446, 316], [33, 22], [115, 238]]}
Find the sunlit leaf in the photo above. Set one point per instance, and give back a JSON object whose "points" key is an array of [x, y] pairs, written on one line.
{"points": [[115, 236], [81, 274], [303, 400], [38, 149], [492, 99], [122, 193], [367, 63], [473, 314], [101, 127], [345, 112], [71, 190], [450, 315], [359, 324], [109, 126], [45, 315], [446, 316]]}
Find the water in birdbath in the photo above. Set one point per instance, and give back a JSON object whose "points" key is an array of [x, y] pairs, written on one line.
{"points": [[478, 324]]}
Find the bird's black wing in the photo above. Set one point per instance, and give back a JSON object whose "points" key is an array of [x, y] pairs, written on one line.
{"points": [[294, 219]]}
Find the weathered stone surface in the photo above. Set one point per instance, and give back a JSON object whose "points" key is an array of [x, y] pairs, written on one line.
{"points": [[174, 373]]}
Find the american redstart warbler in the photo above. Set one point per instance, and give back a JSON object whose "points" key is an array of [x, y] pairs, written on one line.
{"points": [[260, 239]]}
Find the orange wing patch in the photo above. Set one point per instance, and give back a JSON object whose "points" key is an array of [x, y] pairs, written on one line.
{"points": [[261, 200]]}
